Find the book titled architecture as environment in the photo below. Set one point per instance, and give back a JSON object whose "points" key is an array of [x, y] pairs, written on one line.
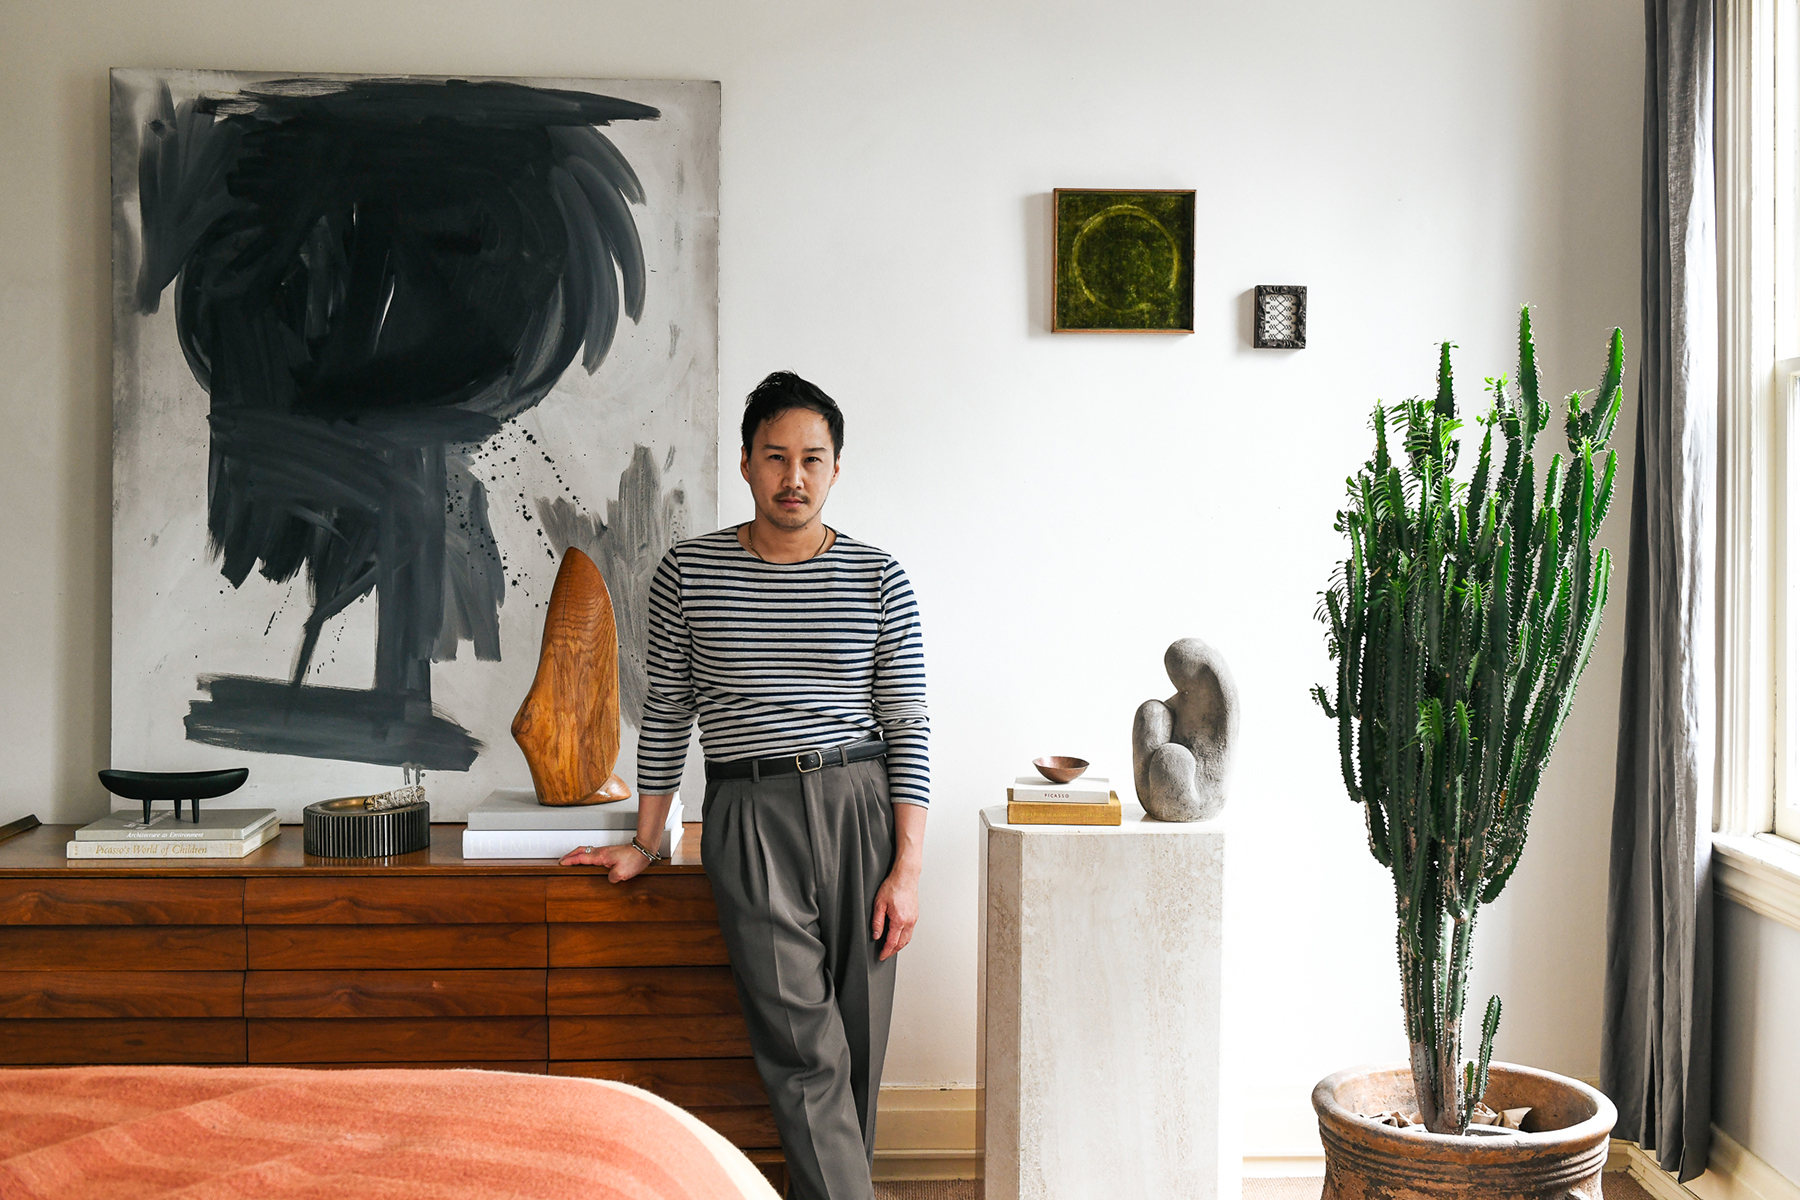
{"points": [[177, 848], [225, 824], [1083, 789], [555, 842]]}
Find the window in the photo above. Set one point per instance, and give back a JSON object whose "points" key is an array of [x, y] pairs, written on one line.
{"points": [[1780, 368], [1758, 181], [1782, 364], [1757, 847]]}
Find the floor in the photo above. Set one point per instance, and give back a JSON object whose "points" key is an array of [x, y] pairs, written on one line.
{"points": [[1619, 1186], [930, 1189]]}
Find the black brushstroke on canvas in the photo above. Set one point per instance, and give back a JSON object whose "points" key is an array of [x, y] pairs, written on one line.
{"points": [[628, 546], [369, 278]]}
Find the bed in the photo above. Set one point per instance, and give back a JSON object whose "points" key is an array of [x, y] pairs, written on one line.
{"points": [[271, 1133]]}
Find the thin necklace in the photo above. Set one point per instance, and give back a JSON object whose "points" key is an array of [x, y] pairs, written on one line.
{"points": [[750, 538]]}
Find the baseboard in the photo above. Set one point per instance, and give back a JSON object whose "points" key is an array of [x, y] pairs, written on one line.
{"points": [[1732, 1173], [930, 1133], [1641, 1166], [1299, 1163], [900, 1166], [1283, 1166], [926, 1133]]}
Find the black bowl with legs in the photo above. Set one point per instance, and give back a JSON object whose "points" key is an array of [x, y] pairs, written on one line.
{"points": [[151, 786]]}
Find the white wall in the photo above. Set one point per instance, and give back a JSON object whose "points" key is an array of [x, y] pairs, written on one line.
{"points": [[1756, 1050], [1066, 505]]}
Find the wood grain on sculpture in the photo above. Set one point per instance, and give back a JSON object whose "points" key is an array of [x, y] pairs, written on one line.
{"points": [[1181, 747], [568, 725]]}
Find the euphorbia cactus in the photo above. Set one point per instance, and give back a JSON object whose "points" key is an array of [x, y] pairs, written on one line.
{"points": [[1460, 624]]}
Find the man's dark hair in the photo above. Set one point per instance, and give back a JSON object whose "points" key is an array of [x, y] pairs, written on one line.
{"points": [[784, 390]]}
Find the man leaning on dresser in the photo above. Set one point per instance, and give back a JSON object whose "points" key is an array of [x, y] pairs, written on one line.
{"points": [[799, 650]]}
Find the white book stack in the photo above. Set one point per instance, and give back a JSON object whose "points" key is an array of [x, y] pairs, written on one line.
{"points": [[1084, 789], [511, 823], [219, 833]]}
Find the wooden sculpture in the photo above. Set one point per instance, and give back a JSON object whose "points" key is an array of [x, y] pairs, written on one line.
{"points": [[568, 725]]}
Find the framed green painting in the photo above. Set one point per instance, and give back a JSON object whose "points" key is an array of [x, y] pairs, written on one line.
{"points": [[1124, 261]]}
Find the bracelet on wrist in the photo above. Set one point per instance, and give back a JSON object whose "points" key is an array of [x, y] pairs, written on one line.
{"points": [[644, 850]]}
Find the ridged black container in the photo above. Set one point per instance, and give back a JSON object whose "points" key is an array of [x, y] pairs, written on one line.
{"points": [[345, 829]]}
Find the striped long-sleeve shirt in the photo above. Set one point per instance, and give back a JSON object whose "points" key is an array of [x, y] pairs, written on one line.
{"points": [[780, 658]]}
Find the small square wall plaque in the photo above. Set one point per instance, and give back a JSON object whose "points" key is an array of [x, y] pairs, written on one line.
{"points": [[1280, 317], [1124, 262]]}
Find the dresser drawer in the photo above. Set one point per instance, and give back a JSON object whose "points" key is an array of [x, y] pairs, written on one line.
{"points": [[122, 948], [648, 1037], [641, 991], [412, 947], [401, 1040], [750, 1126], [59, 1043], [689, 1082], [329, 994], [638, 944], [37, 995], [353, 900], [121, 901], [645, 898], [516, 1068]]}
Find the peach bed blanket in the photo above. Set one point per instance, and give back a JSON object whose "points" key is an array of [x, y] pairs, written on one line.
{"points": [[224, 1133]]}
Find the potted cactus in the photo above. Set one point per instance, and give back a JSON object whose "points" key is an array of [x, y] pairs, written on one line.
{"points": [[1460, 623]]}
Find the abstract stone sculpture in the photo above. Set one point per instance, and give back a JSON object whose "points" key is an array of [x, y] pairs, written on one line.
{"points": [[568, 725], [1181, 747]]}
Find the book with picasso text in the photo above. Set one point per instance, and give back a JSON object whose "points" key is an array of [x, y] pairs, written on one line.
{"points": [[1083, 789]]}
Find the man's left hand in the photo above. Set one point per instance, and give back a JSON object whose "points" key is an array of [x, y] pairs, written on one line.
{"points": [[896, 912]]}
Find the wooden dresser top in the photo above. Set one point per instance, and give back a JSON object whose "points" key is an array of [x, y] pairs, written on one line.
{"points": [[40, 851]]}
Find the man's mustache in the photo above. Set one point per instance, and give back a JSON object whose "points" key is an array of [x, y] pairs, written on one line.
{"points": [[800, 496]]}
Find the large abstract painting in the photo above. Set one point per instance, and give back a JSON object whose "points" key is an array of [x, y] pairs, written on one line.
{"points": [[383, 348]]}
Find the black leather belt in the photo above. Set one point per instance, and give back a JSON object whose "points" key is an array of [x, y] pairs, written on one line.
{"points": [[802, 763]]}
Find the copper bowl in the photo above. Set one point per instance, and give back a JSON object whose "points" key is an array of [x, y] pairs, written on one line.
{"points": [[1058, 768]]}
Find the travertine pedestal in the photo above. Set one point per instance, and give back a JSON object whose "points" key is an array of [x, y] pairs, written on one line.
{"points": [[1100, 1024]]}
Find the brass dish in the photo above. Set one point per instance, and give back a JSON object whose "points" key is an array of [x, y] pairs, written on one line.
{"points": [[1059, 768]]}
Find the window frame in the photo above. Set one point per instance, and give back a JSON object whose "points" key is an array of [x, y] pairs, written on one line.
{"points": [[1783, 363], [1753, 753], [1757, 141]]}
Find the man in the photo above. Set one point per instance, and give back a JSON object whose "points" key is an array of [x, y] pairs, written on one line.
{"points": [[799, 650]]}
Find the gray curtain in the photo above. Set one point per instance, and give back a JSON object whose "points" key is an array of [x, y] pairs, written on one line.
{"points": [[1656, 1057]]}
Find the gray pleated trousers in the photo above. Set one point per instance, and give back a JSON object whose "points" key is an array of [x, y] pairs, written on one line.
{"points": [[795, 861]]}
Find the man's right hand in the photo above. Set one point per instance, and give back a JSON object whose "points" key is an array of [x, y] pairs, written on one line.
{"points": [[621, 862]]}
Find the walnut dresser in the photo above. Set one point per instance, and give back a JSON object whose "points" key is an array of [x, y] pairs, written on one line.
{"points": [[419, 960]]}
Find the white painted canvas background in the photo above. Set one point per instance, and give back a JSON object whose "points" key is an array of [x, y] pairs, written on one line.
{"points": [[176, 618]]}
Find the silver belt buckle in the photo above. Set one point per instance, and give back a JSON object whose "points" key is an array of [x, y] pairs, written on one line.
{"points": [[800, 765]]}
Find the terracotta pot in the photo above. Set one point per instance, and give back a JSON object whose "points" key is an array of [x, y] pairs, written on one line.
{"points": [[1560, 1159]]}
